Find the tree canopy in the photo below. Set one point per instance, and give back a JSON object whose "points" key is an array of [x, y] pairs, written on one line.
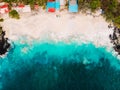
{"points": [[117, 21], [95, 4]]}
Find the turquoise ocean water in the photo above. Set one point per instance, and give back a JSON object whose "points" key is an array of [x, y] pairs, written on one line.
{"points": [[59, 66]]}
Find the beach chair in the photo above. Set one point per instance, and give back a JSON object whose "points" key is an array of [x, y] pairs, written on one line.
{"points": [[73, 6], [50, 6], [53, 5]]}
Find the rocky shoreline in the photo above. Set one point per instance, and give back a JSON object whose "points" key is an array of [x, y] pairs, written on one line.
{"points": [[4, 45], [115, 38]]}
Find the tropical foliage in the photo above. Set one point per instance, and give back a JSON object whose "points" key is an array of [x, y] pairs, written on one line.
{"points": [[94, 4], [1, 19], [31, 2], [14, 14], [117, 21], [89, 4], [110, 8], [0, 30]]}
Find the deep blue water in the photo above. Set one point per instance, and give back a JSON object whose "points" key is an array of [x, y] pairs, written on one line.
{"points": [[59, 66]]}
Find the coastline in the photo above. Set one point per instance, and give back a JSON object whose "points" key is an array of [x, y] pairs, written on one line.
{"points": [[54, 47], [67, 28]]}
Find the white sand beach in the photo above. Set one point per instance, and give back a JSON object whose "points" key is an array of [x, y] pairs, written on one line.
{"points": [[68, 27]]}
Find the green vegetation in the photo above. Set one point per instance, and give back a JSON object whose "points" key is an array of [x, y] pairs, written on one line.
{"points": [[44, 6], [117, 21], [28, 2], [1, 19], [95, 4], [14, 14], [32, 2], [89, 4], [110, 8], [0, 30]]}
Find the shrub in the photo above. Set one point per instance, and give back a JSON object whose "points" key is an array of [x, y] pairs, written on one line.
{"points": [[83, 5], [94, 4], [0, 30], [44, 6], [117, 21], [14, 14], [1, 19]]}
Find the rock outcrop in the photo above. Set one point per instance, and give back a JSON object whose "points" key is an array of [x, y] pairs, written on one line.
{"points": [[4, 45], [115, 38]]}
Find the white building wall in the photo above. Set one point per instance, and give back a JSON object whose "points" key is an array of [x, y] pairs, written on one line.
{"points": [[27, 8], [2, 10], [62, 2]]}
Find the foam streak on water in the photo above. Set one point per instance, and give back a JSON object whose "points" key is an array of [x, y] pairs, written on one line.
{"points": [[59, 66]]}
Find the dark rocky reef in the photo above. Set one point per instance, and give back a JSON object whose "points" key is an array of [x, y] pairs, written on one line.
{"points": [[4, 45], [115, 38]]}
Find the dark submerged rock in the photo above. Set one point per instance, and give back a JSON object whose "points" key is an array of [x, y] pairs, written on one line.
{"points": [[4, 45]]}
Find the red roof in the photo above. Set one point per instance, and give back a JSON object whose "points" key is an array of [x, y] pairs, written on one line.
{"points": [[4, 6], [21, 5]]}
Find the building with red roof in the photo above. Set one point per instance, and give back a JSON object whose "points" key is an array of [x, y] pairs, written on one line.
{"points": [[4, 8]]}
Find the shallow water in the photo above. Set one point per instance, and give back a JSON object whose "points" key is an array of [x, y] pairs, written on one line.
{"points": [[59, 66]]}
